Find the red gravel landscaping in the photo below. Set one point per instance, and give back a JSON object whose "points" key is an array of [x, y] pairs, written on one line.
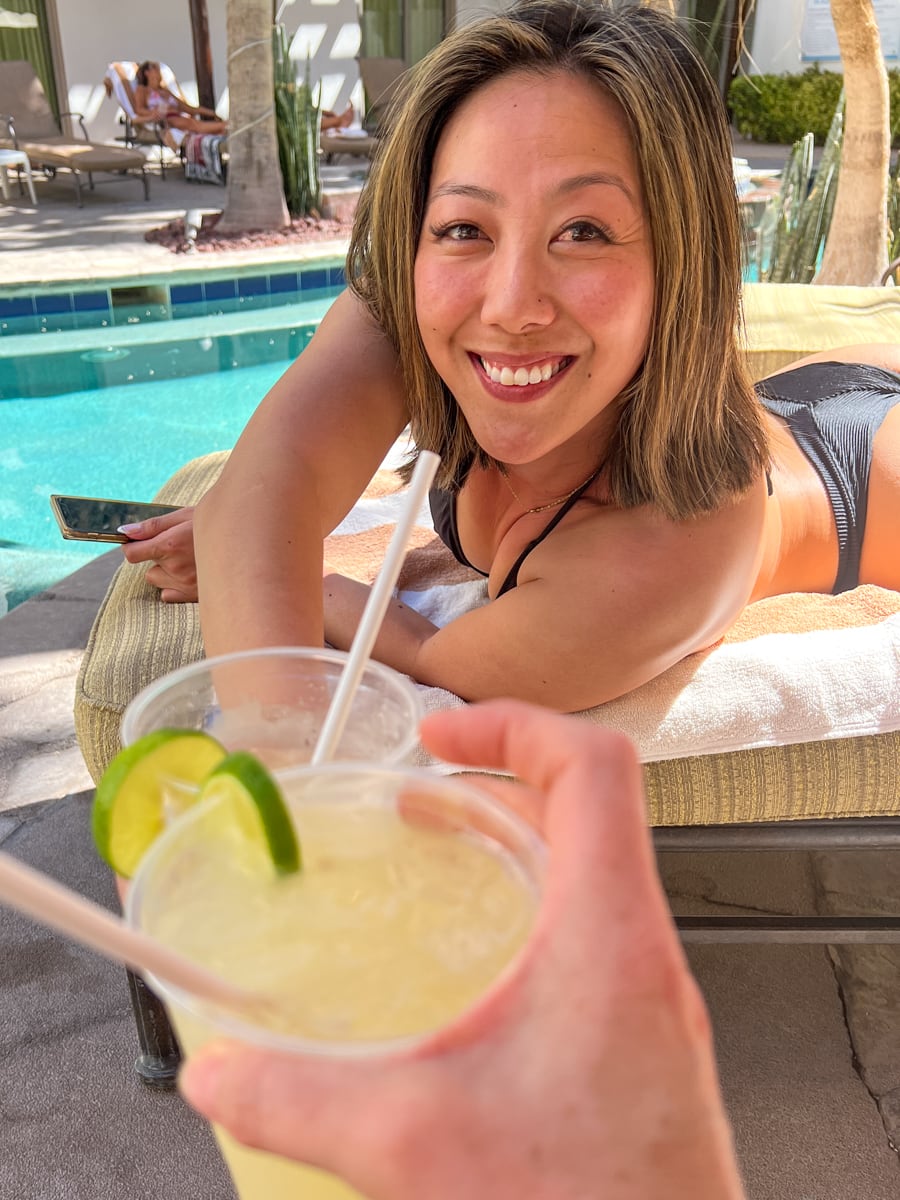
{"points": [[301, 230]]}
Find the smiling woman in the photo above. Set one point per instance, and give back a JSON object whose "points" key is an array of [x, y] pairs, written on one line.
{"points": [[546, 276]]}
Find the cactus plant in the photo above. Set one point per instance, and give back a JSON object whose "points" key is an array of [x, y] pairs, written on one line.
{"points": [[297, 119]]}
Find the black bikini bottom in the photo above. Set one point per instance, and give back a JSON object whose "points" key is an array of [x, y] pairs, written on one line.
{"points": [[833, 411]]}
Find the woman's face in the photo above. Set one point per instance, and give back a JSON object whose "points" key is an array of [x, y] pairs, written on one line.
{"points": [[534, 270], [153, 75]]}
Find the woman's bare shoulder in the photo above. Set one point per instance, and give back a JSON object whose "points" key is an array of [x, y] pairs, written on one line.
{"points": [[607, 602]]}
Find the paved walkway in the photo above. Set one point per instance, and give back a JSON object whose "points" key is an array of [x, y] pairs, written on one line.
{"points": [[105, 238], [807, 1040]]}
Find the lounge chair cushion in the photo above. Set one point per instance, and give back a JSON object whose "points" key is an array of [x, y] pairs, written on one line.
{"points": [[75, 155], [795, 715], [794, 750]]}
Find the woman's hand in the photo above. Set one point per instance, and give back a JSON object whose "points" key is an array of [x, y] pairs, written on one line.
{"points": [[167, 543], [588, 1072]]}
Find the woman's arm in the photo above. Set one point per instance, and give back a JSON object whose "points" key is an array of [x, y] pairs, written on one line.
{"points": [[185, 106], [608, 602], [299, 467]]}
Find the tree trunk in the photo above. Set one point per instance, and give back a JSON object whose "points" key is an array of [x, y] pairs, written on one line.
{"points": [[856, 250], [254, 198]]}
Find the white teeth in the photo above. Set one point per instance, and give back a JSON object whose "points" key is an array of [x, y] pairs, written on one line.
{"points": [[521, 376]]}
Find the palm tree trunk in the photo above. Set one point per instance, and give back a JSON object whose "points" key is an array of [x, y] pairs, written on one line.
{"points": [[254, 198], [856, 250]]}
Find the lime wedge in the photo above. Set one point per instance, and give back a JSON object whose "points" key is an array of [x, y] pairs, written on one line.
{"points": [[157, 776], [255, 806]]}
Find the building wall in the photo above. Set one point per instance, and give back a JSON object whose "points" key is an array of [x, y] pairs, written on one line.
{"points": [[94, 33], [778, 35]]}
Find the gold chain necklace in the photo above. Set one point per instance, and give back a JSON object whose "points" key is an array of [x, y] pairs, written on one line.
{"points": [[539, 508]]}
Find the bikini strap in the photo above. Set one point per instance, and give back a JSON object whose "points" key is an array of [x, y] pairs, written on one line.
{"points": [[512, 578]]}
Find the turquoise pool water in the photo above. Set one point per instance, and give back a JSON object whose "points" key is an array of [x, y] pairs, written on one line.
{"points": [[106, 411], [122, 442]]}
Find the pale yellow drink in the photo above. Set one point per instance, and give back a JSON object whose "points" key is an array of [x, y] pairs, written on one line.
{"points": [[414, 895]]}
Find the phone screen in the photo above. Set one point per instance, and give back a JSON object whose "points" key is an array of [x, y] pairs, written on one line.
{"points": [[93, 519]]}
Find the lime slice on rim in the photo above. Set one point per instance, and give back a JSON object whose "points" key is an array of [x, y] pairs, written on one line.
{"points": [[160, 774], [254, 806]]}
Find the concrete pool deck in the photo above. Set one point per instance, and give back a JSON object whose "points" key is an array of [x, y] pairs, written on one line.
{"points": [[105, 239], [807, 1039]]}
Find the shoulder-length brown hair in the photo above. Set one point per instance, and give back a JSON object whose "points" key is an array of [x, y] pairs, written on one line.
{"points": [[690, 432]]}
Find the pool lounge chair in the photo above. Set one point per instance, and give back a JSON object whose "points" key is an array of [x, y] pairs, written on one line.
{"points": [[381, 78], [787, 736], [27, 123]]}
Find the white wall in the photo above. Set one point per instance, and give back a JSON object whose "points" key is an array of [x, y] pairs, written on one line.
{"points": [[468, 10], [95, 33], [776, 38], [777, 42]]}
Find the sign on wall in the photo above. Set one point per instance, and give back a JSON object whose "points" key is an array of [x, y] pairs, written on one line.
{"points": [[818, 41]]}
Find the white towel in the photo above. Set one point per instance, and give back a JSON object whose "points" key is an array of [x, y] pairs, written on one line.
{"points": [[794, 668]]}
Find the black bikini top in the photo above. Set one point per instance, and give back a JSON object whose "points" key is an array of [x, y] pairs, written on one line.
{"points": [[443, 513]]}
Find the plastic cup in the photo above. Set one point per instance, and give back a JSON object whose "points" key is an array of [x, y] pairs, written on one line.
{"points": [[443, 878], [274, 701]]}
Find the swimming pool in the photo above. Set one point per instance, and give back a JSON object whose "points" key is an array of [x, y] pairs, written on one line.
{"points": [[113, 409]]}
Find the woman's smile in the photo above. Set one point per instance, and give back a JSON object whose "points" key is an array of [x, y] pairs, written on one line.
{"points": [[534, 270], [518, 380]]}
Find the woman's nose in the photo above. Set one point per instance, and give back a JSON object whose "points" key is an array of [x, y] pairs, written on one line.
{"points": [[517, 294]]}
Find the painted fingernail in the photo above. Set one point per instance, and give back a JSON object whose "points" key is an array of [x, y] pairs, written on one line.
{"points": [[128, 530]]}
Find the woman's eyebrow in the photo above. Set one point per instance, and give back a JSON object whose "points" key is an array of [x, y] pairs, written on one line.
{"points": [[591, 179], [466, 189], [595, 178]]}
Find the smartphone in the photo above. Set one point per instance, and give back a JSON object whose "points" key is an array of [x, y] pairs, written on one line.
{"points": [[89, 519]]}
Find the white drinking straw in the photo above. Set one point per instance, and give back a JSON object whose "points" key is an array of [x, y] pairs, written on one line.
{"points": [[39, 896], [376, 606]]}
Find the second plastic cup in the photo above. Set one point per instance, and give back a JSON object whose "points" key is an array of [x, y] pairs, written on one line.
{"points": [[274, 701]]}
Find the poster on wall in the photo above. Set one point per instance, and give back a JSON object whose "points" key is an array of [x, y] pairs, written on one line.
{"points": [[818, 41]]}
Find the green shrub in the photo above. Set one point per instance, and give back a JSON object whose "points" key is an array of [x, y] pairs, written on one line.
{"points": [[784, 108]]}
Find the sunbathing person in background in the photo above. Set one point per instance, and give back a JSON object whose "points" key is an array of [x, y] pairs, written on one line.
{"points": [[153, 101], [545, 279]]}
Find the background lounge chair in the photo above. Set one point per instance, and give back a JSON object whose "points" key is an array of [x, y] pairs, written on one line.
{"points": [[27, 123], [380, 77]]}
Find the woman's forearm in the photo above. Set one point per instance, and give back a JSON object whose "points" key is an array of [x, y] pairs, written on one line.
{"points": [[402, 631], [258, 572]]}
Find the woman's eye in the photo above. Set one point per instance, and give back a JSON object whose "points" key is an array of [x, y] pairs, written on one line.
{"points": [[585, 231], [458, 232]]}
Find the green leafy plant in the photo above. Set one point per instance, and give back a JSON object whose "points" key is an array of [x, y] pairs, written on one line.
{"points": [[297, 120], [783, 108], [794, 228], [893, 220]]}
